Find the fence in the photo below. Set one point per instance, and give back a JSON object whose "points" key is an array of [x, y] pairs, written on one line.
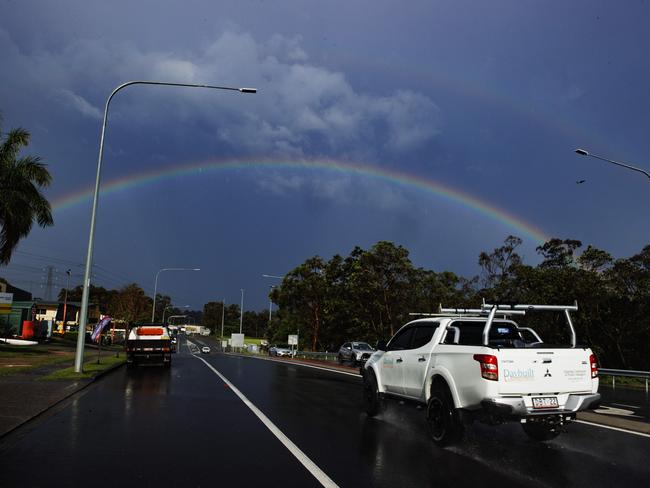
{"points": [[327, 356], [625, 373]]}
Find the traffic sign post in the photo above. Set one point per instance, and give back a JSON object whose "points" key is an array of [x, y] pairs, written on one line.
{"points": [[6, 299], [237, 340], [293, 341]]}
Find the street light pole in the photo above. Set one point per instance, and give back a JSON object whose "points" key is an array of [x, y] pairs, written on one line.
{"points": [[166, 308], [270, 302], [583, 152], [155, 286], [78, 361], [241, 311], [223, 314]]}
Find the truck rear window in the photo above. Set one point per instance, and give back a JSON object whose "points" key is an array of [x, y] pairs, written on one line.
{"points": [[502, 334]]}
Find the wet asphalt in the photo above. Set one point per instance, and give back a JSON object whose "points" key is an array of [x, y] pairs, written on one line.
{"points": [[186, 427]]}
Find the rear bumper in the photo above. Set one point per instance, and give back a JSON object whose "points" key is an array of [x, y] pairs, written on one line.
{"points": [[149, 357], [516, 407]]}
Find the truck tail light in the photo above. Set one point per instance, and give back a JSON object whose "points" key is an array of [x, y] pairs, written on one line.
{"points": [[489, 366], [593, 363]]}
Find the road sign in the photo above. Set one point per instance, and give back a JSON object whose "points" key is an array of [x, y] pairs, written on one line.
{"points": [[237, 340], [293, 340], [6, 300]]}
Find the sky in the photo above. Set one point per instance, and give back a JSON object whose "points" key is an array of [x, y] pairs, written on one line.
{"points": [[443, 126]]}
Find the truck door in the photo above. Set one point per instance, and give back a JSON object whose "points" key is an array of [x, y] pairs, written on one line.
{"points": [[392, 361], [416, 359]]}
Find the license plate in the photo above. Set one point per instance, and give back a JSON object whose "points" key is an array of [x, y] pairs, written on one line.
{"points": [[545, 402]]}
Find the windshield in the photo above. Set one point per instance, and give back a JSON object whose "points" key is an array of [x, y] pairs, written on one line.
{"points": [[362, 346]]}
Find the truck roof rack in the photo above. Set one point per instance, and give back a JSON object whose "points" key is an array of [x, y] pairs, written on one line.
{"points": [[492, 310], [547, 308], [477, 312], [557, 308]]}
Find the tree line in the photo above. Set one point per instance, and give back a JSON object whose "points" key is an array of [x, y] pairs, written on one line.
{"points": [[129, 303], [369, 294]]}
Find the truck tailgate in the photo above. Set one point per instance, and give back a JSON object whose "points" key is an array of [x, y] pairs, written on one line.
{"points": [[535, 371]]}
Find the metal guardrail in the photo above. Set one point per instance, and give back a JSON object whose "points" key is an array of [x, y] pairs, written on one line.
{"points": [[327, 356], [625, 373]]}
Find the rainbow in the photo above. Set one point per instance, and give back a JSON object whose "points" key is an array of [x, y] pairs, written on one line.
{"points": [[331, 166]]}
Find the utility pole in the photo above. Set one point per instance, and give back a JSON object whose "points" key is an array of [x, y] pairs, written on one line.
{"points": [[48, 283], [65, 300]]}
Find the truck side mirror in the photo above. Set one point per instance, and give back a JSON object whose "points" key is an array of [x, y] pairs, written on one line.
{"points": [[381, 345]]}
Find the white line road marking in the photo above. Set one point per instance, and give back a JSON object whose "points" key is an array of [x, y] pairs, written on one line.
{"points": [[604, 409], [307, 366], [293, 449], [642, 434], [626, 406]]}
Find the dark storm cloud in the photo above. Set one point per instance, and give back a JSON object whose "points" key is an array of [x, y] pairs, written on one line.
{"points": [[302, 108], [487, 97]]}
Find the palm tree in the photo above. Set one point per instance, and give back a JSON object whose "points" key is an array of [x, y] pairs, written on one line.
{"points": [[21, 200]]}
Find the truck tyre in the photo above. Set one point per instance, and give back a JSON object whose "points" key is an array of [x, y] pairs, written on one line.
{"points": [[371, 401], [541, 431], [444, 425]]}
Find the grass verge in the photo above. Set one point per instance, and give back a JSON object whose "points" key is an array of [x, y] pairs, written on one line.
{"points": [[91, 369], [14, 360]]}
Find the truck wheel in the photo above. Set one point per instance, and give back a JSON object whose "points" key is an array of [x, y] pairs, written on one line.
{"points": [[371, 401], [541, 431], [445, 427]]}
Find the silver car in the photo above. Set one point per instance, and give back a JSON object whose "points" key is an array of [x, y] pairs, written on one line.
{"points": [[280, 351], [355, 352]]}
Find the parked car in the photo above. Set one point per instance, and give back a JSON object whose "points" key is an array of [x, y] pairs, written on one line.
{"points": [[205, 350], [355, 352], [280, 351]]}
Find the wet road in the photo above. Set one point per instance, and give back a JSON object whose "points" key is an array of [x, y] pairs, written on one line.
{"points": [[187, 427]]}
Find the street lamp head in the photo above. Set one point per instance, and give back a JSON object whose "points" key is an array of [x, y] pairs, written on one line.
{"points": [[582, 152], [248, 90]]}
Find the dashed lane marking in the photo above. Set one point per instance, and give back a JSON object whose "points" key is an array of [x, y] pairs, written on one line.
{"points": [[316, 472]]}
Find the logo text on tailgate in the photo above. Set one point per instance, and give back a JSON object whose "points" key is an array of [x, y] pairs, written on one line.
{"points": [[518, 374]]}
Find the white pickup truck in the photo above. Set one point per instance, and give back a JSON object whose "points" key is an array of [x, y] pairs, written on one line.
{"points": [[471, 364]]}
